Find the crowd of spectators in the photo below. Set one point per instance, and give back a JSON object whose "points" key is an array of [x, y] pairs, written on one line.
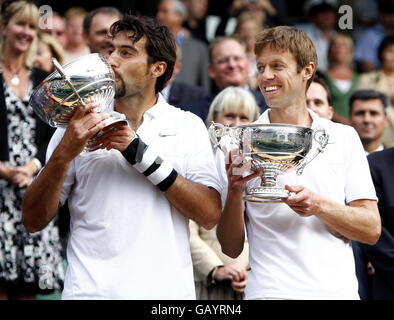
{"points": [[215, 54]]}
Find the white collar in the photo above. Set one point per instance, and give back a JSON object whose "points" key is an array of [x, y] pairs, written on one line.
{"points": [[318, 123], [265, 119], [380, 148], [156, 109]]}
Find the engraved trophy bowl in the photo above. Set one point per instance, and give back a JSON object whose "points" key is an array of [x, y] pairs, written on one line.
{"points": [[273, 149], [88, 79]]}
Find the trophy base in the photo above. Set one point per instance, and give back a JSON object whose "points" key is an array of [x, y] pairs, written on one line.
{"points": [[266, 195]]}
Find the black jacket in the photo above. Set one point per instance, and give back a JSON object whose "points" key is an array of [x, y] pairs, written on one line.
{"points": [[201, 107], [43, 131], [381, 254]]}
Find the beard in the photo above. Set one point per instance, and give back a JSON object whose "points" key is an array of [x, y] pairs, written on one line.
{"points": [[120, 90]]}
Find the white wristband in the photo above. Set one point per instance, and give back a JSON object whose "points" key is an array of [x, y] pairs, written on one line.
{"points": [[146, 161]]}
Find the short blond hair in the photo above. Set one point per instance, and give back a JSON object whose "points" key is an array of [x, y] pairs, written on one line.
{"points": [[75, 12], [286, 38], [233, 99], [349, 43], [54, 45], [26, 10]]}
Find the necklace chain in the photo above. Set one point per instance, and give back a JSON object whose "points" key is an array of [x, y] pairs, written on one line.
{"points": [[14, 75]]}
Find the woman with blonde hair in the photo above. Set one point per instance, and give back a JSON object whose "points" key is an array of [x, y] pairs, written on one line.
{"points": [[233, 106], [47, 48], [341, 77], [216, 275], [28, 263]]}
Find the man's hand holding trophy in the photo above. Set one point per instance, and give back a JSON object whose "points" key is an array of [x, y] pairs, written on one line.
{"points": [[268, 150]]}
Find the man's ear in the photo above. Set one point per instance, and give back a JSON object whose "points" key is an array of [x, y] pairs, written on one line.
{"points": [[308, 71], [211, 71], [86, 38], [158, 68]]}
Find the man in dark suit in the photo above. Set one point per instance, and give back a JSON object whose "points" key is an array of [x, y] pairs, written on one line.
{"points": [[382, 253], [178, 93], [229, 66], [183, 94]]}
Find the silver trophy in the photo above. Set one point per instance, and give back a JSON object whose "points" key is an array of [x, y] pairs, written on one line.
{"points": [[86, 80], [273, 149]]}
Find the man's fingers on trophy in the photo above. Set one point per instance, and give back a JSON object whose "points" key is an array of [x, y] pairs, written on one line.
{"points": [[298, 196], [93, 125], [81, 111], [238, 160], [229, 156], [121, 136], [116, 145], [234, 154], [251, 176], [96, 128], [294, 189]]}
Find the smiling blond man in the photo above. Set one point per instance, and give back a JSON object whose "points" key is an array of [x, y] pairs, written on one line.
{"points": [[299, 248]]}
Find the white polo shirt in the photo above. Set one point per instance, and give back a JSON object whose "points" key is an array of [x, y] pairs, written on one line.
{"points": [[126, 240], [294, 257]]}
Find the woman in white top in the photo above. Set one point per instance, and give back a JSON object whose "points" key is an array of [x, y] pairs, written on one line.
{"points": [[341, 77]]}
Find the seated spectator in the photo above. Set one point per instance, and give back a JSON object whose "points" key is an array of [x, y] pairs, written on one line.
{"points": [[318, 98], [180, 94], [76, 44], [368, 116], [248, 26], [172, 13], [366, 53], [262, 10], [96, 25], [196, 20], [321, 29], [217, 276], [229, 66], [340, 76], [56, 27], [47, 48], [382, 80]]}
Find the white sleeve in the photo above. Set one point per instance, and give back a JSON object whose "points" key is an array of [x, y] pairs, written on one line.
{"points": [[200, 160], [221, 166], [359, 184], [70, 176]]}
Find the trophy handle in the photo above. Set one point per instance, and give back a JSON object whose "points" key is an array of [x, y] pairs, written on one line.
{"points": [[224, 136], [215, 132], [60, 69], [321, 136]]}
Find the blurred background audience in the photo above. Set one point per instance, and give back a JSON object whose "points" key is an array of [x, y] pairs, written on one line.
{"points": [[318, 97], [341, 77], [47, 48], [76, 44], [215, 53], [29, 263]]}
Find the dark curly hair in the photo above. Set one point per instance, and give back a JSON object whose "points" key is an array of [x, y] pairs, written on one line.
{"points": [[160, 43]]}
